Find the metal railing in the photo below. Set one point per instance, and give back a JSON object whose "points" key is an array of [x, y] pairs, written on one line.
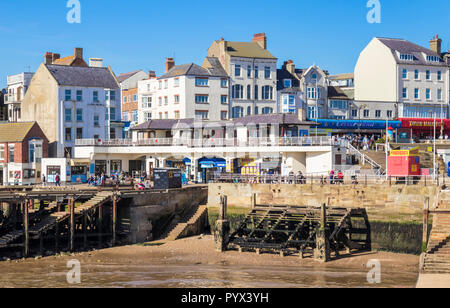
{"points": [[364, 158], [212, 142], [312, 179]]}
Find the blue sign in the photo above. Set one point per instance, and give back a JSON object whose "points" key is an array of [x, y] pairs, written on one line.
{"points": [[449, 169], [356, 124]]}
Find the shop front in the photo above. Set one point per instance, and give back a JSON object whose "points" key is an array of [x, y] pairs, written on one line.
{"points": [[423, 129], [79, 169], [209, 167], [338, 127]]}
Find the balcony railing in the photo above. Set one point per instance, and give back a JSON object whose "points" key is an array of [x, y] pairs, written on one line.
{"points": [[212, 142]]}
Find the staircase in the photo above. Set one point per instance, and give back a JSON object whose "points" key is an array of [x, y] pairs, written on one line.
{"points": [[378, 164], [10, 238], [181, 229], [437, 258], [98, 199]]}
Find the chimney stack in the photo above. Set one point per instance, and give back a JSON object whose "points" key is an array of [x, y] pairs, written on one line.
{"points": [[78, 53], [170, 63], [261, 39], [290, 67], [55, 57], [435, 45], [48, 59]]}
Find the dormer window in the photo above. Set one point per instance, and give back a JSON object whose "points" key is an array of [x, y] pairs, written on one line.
{"points": [[287, 83], [406, 57], [433, 59], [314, 76]]}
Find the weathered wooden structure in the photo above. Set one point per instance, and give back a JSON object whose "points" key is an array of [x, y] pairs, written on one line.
{"points": [[301, 230], [59, 219]]}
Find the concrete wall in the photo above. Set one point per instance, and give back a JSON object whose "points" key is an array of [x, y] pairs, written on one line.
{"points": [[150, 214], [392, 200]]}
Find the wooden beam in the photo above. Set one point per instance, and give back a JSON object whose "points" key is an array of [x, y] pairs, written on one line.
{"points": [[72, 223], [25, 229]]}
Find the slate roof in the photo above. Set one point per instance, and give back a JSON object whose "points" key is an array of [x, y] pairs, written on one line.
{"points": [[125, 76], [286, 119], [192, 69], [406, 47], [94, 77], [342, 76], [247, 50], [15, 132], [283, 74], [339, 93], [168, 124]]}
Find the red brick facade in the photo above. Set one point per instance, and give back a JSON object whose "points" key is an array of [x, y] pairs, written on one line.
{"points": [[21, 155], [130, 105]]}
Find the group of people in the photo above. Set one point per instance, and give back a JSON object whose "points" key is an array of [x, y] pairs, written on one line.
{"points": [[360, 142], [336, 178]]}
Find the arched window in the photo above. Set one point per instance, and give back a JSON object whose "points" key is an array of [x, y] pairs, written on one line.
{"points": [[256, 110], [237, 112], [267, 93], [249, 92], [237, 91], [249, 110], [256, 92], [267, 110]]}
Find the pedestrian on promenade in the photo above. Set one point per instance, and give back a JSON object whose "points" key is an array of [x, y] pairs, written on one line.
{"points": [[57, 180], [331, 177]]}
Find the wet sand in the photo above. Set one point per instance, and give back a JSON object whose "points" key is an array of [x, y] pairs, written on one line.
{"points": [[193, 262]]}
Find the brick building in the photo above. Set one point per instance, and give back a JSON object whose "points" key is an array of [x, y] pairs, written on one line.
{"points": [[22, 147]]}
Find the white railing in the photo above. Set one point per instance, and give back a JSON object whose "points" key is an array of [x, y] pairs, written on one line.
{"points": [[365, 159], [212, 142]]}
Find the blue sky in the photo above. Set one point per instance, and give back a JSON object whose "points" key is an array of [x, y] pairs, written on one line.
{"points": [[139, 34]]}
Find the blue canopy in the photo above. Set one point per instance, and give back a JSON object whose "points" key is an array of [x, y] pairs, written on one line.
{"points": [[357, 124], [212, 163]]}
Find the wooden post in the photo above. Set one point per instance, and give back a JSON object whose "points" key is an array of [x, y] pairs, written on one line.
{"points": [[426, 210], [25, 229], [99, 225], [85, 231], [222, 227], [41, 243], [322, 250], [253, 200], [114, 220], [56, 237], [72, 224]]}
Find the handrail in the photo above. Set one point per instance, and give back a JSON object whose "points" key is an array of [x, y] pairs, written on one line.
{"points": [[365, 158], [212, 142]]}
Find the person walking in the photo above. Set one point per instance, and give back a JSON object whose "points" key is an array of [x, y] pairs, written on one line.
{"points": [[331, 177], [57, 180], [43, 180]]}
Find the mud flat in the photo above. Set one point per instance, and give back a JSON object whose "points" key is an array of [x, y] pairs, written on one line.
{"points": [[193, 262]]}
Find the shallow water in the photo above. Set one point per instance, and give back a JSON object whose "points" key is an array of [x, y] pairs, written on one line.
{"points": [[53, 274]]}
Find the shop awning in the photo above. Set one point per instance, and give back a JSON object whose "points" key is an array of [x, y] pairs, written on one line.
{"points": [[80, 162], [209, 163], [425, 124]]}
